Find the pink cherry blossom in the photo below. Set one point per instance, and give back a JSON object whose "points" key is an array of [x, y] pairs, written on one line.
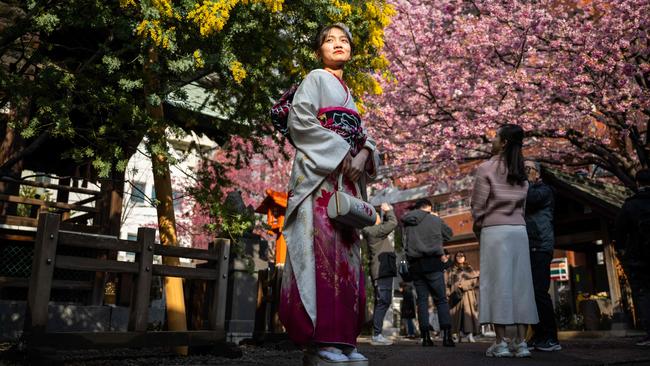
{"points": [[574, 75]]}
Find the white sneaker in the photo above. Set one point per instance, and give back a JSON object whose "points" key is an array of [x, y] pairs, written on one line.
{"points": [[355, 358], [324, 356], [520, 350], [470, 338], [645, 342], [380, 340], [498, 350]]}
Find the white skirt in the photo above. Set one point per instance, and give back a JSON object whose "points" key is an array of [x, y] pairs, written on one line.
{"points": [[506, 282]]}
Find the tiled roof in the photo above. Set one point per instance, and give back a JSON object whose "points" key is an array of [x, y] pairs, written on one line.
{"points": [[606, 195]]}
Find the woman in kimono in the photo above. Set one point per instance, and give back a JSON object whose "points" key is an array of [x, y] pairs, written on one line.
{"points": [[322, 300]]}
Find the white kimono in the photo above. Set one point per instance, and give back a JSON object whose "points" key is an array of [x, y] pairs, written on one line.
{"points": [[319, 152]]}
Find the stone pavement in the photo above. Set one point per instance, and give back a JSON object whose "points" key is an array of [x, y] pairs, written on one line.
{"points": [[603, 351]]}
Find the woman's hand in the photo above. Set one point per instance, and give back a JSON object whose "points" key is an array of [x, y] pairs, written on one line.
{"points": [[353, 167]]}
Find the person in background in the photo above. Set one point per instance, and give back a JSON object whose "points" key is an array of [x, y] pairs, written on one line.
{"points": [[407, 309], [498, 201], [424, 235], [633, 243], [383, 268], [540, 203], [463, 280]]}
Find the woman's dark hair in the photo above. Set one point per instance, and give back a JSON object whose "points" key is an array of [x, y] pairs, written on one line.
{"points": [[512, 136], [643, 177], [460, 254], [322, 35], [421, 203]]}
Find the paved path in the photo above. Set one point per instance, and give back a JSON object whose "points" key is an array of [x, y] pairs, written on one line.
{"points": [[616, 351]]}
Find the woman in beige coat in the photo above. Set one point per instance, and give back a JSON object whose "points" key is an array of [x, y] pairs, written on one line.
{"points": [[461, 286]]}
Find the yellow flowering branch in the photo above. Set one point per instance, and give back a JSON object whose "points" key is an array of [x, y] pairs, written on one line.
{"points": [[238, 71]]}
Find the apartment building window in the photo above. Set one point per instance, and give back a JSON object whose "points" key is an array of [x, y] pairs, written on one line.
{"points": [[137, 192], [177, 198]]}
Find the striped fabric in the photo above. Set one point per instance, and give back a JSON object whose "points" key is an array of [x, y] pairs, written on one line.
{"points": [[494, 200]]}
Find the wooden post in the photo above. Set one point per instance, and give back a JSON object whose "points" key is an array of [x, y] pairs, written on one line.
{"points": [[262, 300], [609, 256], [276, 324], [139, 316], [63, 195], [109, 218], [217, 315], [40, 282], [110, 204], [612, 276]]}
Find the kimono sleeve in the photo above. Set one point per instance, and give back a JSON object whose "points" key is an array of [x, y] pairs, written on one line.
{"points": [[324, 148]]}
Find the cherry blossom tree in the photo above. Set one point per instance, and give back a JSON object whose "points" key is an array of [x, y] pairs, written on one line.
{"points": [[574, 74], [249, 165], [253, 172]]}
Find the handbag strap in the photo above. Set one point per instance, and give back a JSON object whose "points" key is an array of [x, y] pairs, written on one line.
{"points": [[336, 194], [340, 188]]}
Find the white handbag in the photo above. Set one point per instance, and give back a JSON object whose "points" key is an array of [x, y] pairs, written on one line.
{"points": [[349, 210]]}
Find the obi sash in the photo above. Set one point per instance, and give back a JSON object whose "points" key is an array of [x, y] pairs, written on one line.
{"points": [[346, 123]]}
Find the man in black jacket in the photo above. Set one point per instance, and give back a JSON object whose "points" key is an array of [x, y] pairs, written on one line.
{"points": [[424, 234], [633, 242], [383, 268], [540, 204]]}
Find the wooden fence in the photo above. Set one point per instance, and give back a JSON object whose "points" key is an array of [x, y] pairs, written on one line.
{"points": [[90, 207], [49, 238]]}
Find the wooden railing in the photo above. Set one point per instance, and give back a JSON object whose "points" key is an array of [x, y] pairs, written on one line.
{"points": [[49, 238], [64, 208]]}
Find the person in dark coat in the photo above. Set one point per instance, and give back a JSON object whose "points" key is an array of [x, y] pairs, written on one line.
{"points": [[407, 309], [383, 267], [540, 203], [424, 235], [633, 243], [462, 282]]}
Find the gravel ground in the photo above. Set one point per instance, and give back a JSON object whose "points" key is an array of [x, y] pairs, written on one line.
{"points": [[584, 352], [250, 355]]}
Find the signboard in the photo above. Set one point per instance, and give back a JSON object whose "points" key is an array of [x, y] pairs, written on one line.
{"points": [[560, 269]]}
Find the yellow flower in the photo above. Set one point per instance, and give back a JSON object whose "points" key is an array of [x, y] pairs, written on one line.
{"points": [[153, 30], [127, 3], [379, 63], [273, 5], [344, 10], [376, 87], [212, 15], [238, 71], [361, 107], [164, 7], [198, 59]]}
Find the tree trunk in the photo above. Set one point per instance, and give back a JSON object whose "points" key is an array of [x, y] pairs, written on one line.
{"points": [[11, 143], [176, 318]]}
